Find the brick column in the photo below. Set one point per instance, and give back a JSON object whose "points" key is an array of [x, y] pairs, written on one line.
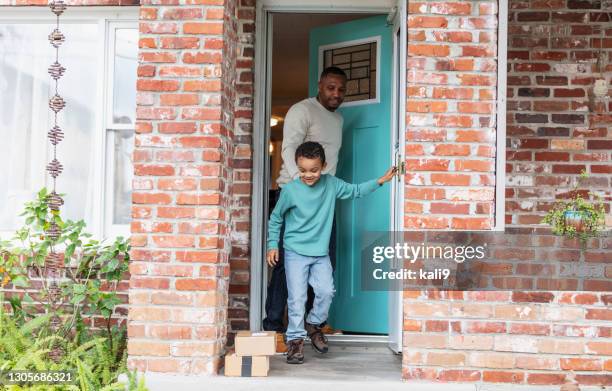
{"points": [[451, 95], [182, 189], [450, 163]]}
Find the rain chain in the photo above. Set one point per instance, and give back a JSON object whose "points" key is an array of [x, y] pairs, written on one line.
{"points": [[53, 262]]}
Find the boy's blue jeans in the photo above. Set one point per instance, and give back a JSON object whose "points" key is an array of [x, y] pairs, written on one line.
{"points": [[301, 271]]}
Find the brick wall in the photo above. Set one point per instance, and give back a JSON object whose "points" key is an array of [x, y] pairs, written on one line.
{"points": [[184, 159], [555, 130], [514, 336], [451, 93], [191, 204], [511, 337]]}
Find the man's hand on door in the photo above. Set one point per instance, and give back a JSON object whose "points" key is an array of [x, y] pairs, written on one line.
{"points": [[272, 257]]}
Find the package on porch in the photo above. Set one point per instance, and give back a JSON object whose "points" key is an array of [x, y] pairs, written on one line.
{"points": [[246, 366], [255, 343]]}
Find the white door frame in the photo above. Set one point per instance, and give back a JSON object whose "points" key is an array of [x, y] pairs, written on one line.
{"points": [[398, 142], [261, 131]]}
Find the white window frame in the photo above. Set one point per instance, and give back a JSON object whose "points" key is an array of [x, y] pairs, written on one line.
{"points": [[107, 19], [110, 229]]}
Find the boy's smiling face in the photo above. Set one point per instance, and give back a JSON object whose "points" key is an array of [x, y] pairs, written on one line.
{"points": [[310, 170]]}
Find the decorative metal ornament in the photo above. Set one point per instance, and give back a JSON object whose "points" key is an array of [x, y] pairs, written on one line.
{"points": [[55, 168], [54, 201], [57, 103], [55, 135], [53, 232], [53, 260], [56, 70], [57, 7], [56, 38]]}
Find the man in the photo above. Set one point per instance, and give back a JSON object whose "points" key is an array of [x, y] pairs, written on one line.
{"points": [[312, 119]]}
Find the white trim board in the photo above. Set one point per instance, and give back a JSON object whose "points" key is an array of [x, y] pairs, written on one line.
{"points": [[500, 150], [327, 6]]}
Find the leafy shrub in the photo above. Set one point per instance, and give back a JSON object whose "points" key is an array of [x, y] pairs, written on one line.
{"points": [[92, 272]]}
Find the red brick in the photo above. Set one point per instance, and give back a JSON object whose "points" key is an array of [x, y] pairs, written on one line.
{"points": [[581, 364], [446, 208], [426, 107], [546, 378], [459, 375], [503, 377], [451, 150], [195, 284], [427, 164], [180, 42], [179, 99], [211, 28], [428, 50], [202, 85], [450, 179], [427, 22]]}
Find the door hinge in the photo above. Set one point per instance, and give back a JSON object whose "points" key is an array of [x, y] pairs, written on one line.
{"points": [[401, 170], [391, 16]]}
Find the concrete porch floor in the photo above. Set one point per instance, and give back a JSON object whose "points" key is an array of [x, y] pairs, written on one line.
{"points": [[350, 367]]}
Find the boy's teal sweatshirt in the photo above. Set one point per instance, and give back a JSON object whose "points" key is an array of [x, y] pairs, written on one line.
{"points": [[308, 212]]}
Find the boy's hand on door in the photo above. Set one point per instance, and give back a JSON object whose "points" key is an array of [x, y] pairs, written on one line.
{"points": [[387, 176], [272, 257]]}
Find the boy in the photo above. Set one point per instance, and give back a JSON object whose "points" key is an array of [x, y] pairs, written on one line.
{"points": [[307, 206]]}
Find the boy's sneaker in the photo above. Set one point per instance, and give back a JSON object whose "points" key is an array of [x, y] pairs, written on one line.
{"points": [[317, 338], [295, 353]]}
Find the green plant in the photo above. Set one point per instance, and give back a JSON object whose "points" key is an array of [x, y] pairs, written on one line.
{"points": [[91, 274], [577, 217], [93, 268], [26, 346]]}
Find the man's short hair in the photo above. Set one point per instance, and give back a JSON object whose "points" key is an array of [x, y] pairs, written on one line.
{"points": [[310, 150], [332, 71]]}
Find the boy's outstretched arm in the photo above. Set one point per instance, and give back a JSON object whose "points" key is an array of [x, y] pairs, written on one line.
{"points": [[347, 190], [387, 175], [274, 227]]}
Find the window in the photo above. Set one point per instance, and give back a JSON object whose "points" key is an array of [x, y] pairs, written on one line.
{"points": [[359, 63], [359, 59], [99, 87], [120, 128]]}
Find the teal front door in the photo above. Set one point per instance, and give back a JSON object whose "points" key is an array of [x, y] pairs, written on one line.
{"points": [[363, 49]]}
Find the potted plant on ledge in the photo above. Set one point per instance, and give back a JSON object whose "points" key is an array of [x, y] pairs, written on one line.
{"points": [[577, 217]]}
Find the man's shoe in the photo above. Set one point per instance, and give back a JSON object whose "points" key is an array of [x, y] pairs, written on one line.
{"points": [[281, 346], [317, 338], [295, 353]]}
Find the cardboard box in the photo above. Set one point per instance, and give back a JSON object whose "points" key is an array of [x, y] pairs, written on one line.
{"points": [[246, 366], [258, 343]]}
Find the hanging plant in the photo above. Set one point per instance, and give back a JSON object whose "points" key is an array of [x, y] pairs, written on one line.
{"points": [[577, 217]]}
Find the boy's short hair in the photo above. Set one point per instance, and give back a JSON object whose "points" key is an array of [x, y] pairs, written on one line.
{"points": [[310, 150], [332, 71]]}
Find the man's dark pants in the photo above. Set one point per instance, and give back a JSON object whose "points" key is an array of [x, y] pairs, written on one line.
{"points": [[276, 299]]}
